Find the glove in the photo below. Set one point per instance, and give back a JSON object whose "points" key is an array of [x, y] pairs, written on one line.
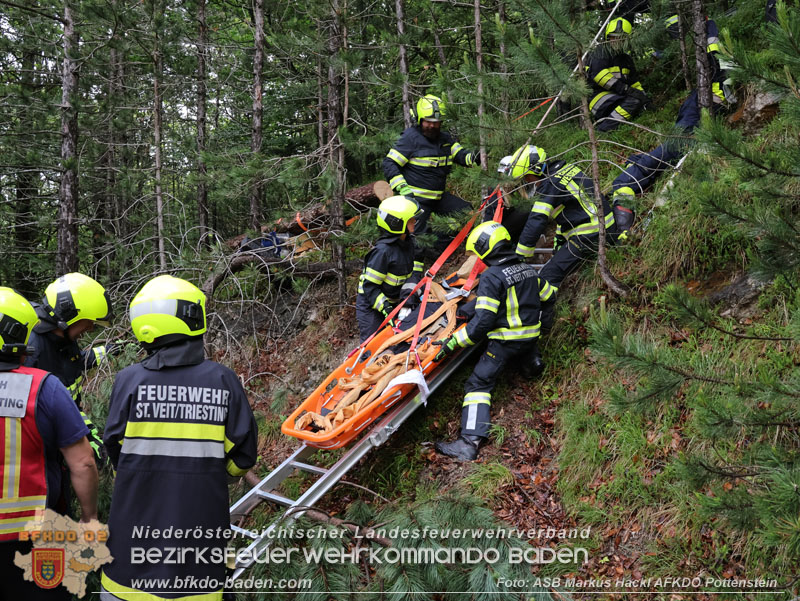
{"points": [[640, 96], [405, 190], [96, 442], [476, 158], [448, 346]]}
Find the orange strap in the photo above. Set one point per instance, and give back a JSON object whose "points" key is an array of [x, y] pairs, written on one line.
{"points": [[300, 223], [541, 104]]}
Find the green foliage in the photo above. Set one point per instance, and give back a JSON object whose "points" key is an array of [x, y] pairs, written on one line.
{"points": [[487, 479]]}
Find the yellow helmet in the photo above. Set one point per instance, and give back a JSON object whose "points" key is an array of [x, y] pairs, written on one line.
{"points": [[528, 159], [395, 212], [618, 27], [168, 306], [17, 318], [485, 238], [430, 108], [75, 296]]}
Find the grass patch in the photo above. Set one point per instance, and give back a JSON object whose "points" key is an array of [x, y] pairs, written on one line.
{"points": [[487, 479]]}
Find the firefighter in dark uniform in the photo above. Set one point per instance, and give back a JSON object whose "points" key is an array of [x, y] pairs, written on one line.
{"points": [[72, 306], [618, 94], [178, 426], [565, 194], [510, 299], [390, 271], [38, 420], [419, 163]]}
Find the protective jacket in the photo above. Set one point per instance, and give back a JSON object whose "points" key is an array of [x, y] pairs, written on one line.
{"points": [[387, 267], [424, 164], [61, 356], [178, 425], [509, 304], [567, 196], [612, 71], [24, 477]]}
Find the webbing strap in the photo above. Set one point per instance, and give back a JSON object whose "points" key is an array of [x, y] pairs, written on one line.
{"points": [[454, 244]]}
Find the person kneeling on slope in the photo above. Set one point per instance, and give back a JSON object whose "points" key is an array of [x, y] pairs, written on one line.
{"points": [[511, 297], [390, 271]]}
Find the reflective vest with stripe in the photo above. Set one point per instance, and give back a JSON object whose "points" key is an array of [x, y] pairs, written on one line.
{"points": [[24, 477]]}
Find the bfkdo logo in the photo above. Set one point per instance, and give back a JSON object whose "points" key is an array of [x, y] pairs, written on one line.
{"points": [[48, 567]]}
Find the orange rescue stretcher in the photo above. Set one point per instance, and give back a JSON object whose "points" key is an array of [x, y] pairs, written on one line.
{"points": [[357, 393], [362, 388]]}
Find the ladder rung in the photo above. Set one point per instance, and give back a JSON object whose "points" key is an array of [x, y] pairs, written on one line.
{"points": [[271, 496], [243, 532], [307, 467]]}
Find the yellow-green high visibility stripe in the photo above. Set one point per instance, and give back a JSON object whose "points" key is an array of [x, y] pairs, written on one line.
{"points": [[669, 21], [546, 291], [477, 398], [397, 157], [380, 302], [190, 431], [201, 449], [395, 280], [397, 181], [525, 251], [487, 303], [371, 275], [462, 338], [426, 194], [455, 149], [622, 113], [235, 470], [428, 161], [607, 77], [418, 266], [624, 191], [111, 591], [593, 104], [99, 354], [542, 208], [512, 308], [518, 333]]}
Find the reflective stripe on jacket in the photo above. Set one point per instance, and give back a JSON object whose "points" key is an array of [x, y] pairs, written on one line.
{"points": [[424, 164], [23, 473], [567, 196], [508, 307]]}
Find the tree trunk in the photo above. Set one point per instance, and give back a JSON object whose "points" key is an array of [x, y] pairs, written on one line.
{"points": [[400, 7], [336, 157], [320, 103], [67, 257], [202, 189], [158, 68], [26, 187], [687, 78], [479, 69], [436, 40], [703, 69], [501, 26], [610, 281], [258, 110]]}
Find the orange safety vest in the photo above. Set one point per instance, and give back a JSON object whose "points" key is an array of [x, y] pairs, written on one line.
{"points": [[23, 478]]}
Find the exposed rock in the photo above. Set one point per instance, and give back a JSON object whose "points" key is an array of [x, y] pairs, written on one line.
{"points": [[739, 299]]}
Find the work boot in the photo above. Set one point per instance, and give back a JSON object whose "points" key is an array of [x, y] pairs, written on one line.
{"points": [[464, 448], [535, 368]]}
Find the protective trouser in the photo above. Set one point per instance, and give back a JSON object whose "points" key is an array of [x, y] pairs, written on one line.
{"points": [[567, 258], [643, 169], [448, 203], [475, 409], [609, 109], [368, 321]]}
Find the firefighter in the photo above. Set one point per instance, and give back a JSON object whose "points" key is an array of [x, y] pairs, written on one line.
{"points": [[722, 94], [417, 165], [72, 305], [507, 312], [618, 94], [37, 421], [178, 426], [567, 195], [390, 271]]}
